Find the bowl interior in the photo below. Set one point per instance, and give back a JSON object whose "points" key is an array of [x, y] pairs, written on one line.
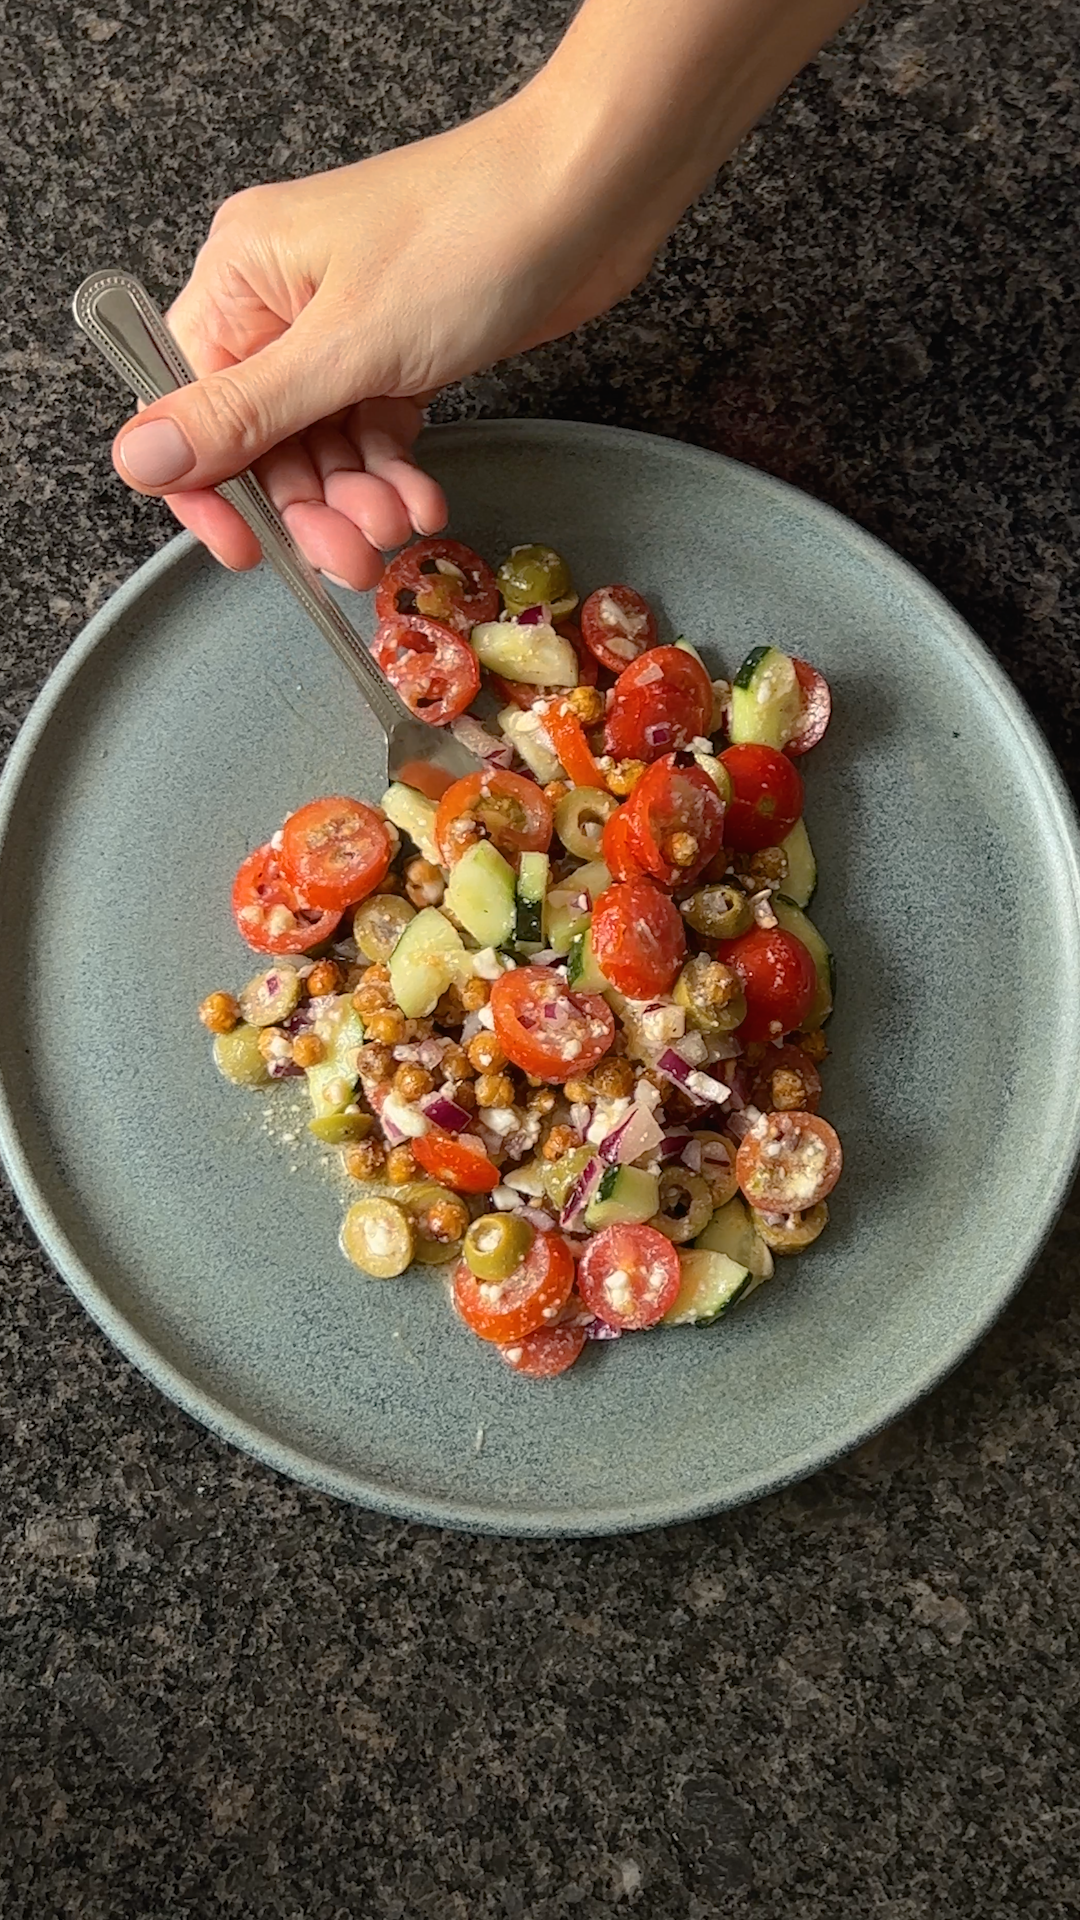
{"points": [[199, 1224]]}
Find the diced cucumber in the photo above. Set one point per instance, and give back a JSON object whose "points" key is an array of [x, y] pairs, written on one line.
{"points": [[531, 887], [625, 1195], [537, 655], [732, 1232], [687, 646], [480, 893], [526, 736], [718, 774], [801, 882], [765, 698], [414, 814], [593, 877], [563, 919], [332, 1082], [429, 955], [711, 1282], [794, 920], [582, 972]]}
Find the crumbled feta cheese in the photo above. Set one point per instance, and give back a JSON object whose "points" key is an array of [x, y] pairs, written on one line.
{"points": [[763, 910], [527, 1180], [607, 1116], [701, 744], [486, 964], [618, 1293], [692, 1049], [501, 1120], [504, 1198], [646, 1095], [486, 1019], [408, 1120], [706, 1088]]}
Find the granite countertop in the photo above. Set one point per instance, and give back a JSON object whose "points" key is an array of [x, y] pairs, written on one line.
{"points": [[221, 1695]]}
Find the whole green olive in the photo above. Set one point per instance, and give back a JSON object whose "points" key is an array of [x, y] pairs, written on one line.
{"points": [[496, 1244], [534, 576]]}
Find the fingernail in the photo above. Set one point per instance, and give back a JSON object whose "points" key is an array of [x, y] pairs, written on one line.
{"points": [[337, 582], [156, 453]]}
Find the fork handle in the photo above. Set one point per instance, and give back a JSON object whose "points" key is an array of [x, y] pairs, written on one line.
{"points": [[115, 311]]}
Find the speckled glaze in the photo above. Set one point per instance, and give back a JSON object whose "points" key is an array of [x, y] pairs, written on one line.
{"points": [[197, 709]]}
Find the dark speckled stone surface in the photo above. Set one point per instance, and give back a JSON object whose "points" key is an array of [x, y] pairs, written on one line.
{"points": [[220, 1696]]}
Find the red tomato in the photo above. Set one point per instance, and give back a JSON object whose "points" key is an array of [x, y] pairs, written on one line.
{"points": [[816, 708], [548, 1351], [456, 1164], [433, 668], [520, 694], [567, 736], [334, 851], [514, 812], [787, 1060], [638, 939], [463, 595], [669, 801], [788, 1162], [269, 912], [617, 625], [615, 847], [547, 1030], [778, 979], [629, 1276], [660, 704], [766, 797], [507, 1310]]}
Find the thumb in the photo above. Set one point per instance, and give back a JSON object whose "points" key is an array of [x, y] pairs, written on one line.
{"points": [[213, 429]]}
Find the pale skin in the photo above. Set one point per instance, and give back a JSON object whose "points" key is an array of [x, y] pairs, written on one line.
{"points": [[320, 313]]}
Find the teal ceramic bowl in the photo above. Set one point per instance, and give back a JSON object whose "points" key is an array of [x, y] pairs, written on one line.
{"points": [[198, 708]]}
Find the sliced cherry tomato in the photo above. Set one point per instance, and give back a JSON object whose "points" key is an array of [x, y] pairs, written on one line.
{"points": [[520, 694], [659, 705], [449, 1159], [816, 708], [766, 797], [629, 1276], [670, 806], [778, 979], [615, 847], [513, 812], [617, 625], [788, 1162], [567, 736], [547, 1030], [334, 851], [462, 592], [269, 913], [507, 1310], [638, 939], [544, 1353], [787, 1079], [433, 668]]}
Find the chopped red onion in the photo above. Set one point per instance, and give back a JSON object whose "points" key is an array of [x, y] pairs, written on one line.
{"points": [[658, 736], [407, 1051], [494, 753], [581, 902], [699, 1087], [691, 1155], [301, 1020], [636, 1133], [600, 1330], [284, 1070], [580, 1115], [673, 1145], [534, 617], [536, 1217], [573, 1213], [444, 1112], [432, 1050], [739, 1124]]}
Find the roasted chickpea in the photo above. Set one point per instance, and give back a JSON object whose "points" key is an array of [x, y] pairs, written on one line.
{"points": [[424, 883], [364, 1159], [624, 777], [613, 1078], [456, 1064], [485, 1053], [385, 1024], [412, 1082], [494, 1090], [683, 849], [577, 1091], [308, 1050], [541, 1099], [219, 1012], [559, 1141], [766, 868], [475, 994], [325, 977], [814, 1045], [400, 1165], [587, 703]]}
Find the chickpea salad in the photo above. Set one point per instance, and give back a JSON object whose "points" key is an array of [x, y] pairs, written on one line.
{"points": [[565, 1020]]}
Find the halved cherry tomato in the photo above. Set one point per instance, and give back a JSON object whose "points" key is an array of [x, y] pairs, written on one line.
{"points": [[766, 797], [617, 625], [507, 1310], [629, 1276], [457, 1165], [269, 913], [463, 593], [615, 846], [816, 708], [513, 812], [788, 1162], [520, 694], [659, 705], [791, 1064], [667, 802], [778, 979], [334, 851], [638, 939], [433, 668], [567, 736], [545, 1352], [547, 1030]]}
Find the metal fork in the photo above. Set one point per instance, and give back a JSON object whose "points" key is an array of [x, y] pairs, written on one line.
{"points": [[115, 311]]}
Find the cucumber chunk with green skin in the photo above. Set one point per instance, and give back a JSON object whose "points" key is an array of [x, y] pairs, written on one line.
{"points": [[582, 972], [626, 1196], [766, 699], [800, 883], [480, 893], [332, 1082], [537, 655], [687, 646], [532, 881], [732, 1232], [794, 920], [711, 1283], [428, 957], [413, 813]]}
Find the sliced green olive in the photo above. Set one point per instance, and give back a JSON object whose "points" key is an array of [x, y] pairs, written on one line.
{"points": [[721, 912], [561, 1175], [711, 994], [795, 1231], [237, 1056], [496, 1245], [534, 576], [439, 1219], [379, 923], [579, 820], [271, 996], [337, 1129], [377, 1236], [685, 1205]]}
